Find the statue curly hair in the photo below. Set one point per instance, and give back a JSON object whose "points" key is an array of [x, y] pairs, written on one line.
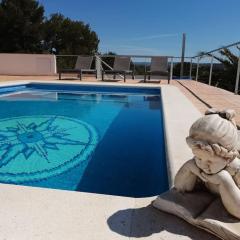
{"points": [[215, 133]]}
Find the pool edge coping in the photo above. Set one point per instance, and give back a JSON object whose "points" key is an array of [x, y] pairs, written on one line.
{"points": [[177, 122]]}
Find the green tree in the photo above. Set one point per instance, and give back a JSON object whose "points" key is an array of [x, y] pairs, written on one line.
{"points": [[21, 24], [65, 36], [229, 61], [177, 69], [24, 29], [225, 75]]}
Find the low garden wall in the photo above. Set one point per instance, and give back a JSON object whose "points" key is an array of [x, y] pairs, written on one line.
{"points": [[27, 64]]}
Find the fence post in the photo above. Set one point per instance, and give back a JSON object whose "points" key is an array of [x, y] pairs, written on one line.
{"points": [[237, 77], [210, 73], [171, 69], [198, 60], [190, 71], [98, 65]]}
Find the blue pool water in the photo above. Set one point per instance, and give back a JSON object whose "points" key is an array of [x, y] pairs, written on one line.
{"points": [[83, 138]]}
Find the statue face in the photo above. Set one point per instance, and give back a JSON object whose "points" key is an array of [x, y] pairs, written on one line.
{"points": [[209, 163]]}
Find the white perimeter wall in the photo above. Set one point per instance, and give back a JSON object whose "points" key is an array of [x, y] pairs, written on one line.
{"points": [[27, 64]]}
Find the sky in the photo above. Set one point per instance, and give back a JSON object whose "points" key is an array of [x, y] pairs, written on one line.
{"points": [[155, 27]]}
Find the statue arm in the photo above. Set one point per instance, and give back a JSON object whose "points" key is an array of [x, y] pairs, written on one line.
{"points": [[237, 179], [186, 177], [228, 190]]}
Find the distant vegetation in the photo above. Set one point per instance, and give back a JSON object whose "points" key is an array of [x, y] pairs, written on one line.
{"points": [[224, 76], [224, 69], [25, 29]]}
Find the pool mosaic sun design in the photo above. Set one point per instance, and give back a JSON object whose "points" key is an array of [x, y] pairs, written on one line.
{"points": [[36, 147], [27, 139]]}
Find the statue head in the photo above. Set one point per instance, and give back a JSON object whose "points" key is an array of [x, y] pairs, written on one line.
{"points": [[214, 140]]}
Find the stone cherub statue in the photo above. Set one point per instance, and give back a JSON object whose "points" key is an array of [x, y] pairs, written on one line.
{"points": [[214, 142]]}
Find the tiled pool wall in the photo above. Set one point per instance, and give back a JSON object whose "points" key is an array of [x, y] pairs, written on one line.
{"points": [[77, 87], [121, 120]]}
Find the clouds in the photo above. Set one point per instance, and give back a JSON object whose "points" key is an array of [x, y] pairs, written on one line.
{"points": [[150, 37], [128, 49]]}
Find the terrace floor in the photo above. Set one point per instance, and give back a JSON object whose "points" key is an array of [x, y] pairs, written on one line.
{"points": [[201, 95], [55, 215]]}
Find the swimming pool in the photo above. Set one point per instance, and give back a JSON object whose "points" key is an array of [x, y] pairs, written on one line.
{"points": [[98, 139]]}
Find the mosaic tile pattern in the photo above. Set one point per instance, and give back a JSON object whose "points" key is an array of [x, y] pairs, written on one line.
{"points": [[34, 148]]}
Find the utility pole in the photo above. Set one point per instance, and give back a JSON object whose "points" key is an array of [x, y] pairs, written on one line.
{"points": [[183, 54]]}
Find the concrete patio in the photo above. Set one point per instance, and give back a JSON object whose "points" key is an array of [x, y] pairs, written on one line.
{"points": [[35, 213]]}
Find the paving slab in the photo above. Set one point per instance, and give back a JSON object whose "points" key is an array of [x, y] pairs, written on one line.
{"points": [[29, 213]]}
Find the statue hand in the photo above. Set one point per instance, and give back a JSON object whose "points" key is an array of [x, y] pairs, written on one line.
{"points": [[196, 170], [217, 178]]}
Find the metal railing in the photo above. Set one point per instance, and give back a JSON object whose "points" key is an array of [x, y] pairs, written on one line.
{"points": [[145, 59], [141, 62], [205, 67], [214, 59]]}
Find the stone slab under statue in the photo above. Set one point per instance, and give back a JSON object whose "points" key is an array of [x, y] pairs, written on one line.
{"points": [[206, 190]]}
